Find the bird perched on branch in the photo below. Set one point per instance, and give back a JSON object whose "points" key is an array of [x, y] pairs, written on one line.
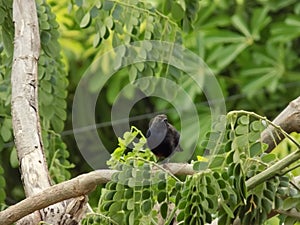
{"points": [[162, 137]]}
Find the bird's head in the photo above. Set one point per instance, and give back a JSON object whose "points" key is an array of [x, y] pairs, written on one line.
{"points": [[159, 120], [158, 128]]}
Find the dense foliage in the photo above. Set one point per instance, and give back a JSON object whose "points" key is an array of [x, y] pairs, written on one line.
{"points": [[220, 188], [250, 46]]}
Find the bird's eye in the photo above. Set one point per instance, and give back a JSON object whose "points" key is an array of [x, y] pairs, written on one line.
{"points": [[165, 120]]}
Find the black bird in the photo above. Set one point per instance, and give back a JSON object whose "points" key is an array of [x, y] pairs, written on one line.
{"points": [[162, 137]]}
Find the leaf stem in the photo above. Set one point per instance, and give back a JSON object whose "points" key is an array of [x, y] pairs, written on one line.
{"points": [[263, 118], [155, 14], [273, 170], [158, 166]]}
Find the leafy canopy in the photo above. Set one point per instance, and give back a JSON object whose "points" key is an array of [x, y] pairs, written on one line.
{"points": [[142, 191]]}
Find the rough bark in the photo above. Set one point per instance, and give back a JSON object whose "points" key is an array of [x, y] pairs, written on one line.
{"points": [[26, 125], [288, 120], [75, 187], [24, 98]]}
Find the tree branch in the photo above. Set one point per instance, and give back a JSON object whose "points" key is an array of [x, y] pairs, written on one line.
{"points": [[273, 170], [288, 120], [24, 100], [75, 187]]}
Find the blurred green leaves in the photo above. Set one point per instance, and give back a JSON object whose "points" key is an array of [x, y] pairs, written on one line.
{"points": [[251, 45]]}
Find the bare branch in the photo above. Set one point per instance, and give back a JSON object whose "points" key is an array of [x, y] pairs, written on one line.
{"points": [[78, 186], [24, 98], [75, 187], [288, 120]]}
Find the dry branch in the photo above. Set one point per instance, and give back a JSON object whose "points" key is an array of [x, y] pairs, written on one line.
{"points": [[24, 101], [75, 187], [288, 120]]}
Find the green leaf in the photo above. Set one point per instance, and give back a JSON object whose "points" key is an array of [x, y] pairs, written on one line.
{"points": [[161, 196], [146, 194], [252, 88], [217, 161], [257, 126], [241, 142], [244, 120], [259, 20], [241, 129], [5, 130], [45, 37], [164, 210], [255, 149], [106, 34], [47, 112], [85, 20], [7, 40], [223, 56], [14, 162], [198, 166], [118, 217], [293, 20], [132, 73], [290, 203], [45, 98], [94, 12], [283, 33], [109, 22], [97, 40], [130, 204], [146, 207], [227, 209], [2, 181], [229, 158], [257, 71], [79, 2], [268, 158], [240, 24], [45, 25], [61, 113], [46, 86], [177, 12], [58, 124], [115, 207], [213, 37], [2, 195]]}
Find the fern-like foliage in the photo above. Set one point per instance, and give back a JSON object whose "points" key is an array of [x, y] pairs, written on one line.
{"points": [[52, 76], [142, 192], [240, 156], [52, 94], [115, 23]]}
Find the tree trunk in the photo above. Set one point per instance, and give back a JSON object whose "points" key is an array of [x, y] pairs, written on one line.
{"points": [[25, 118]]}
